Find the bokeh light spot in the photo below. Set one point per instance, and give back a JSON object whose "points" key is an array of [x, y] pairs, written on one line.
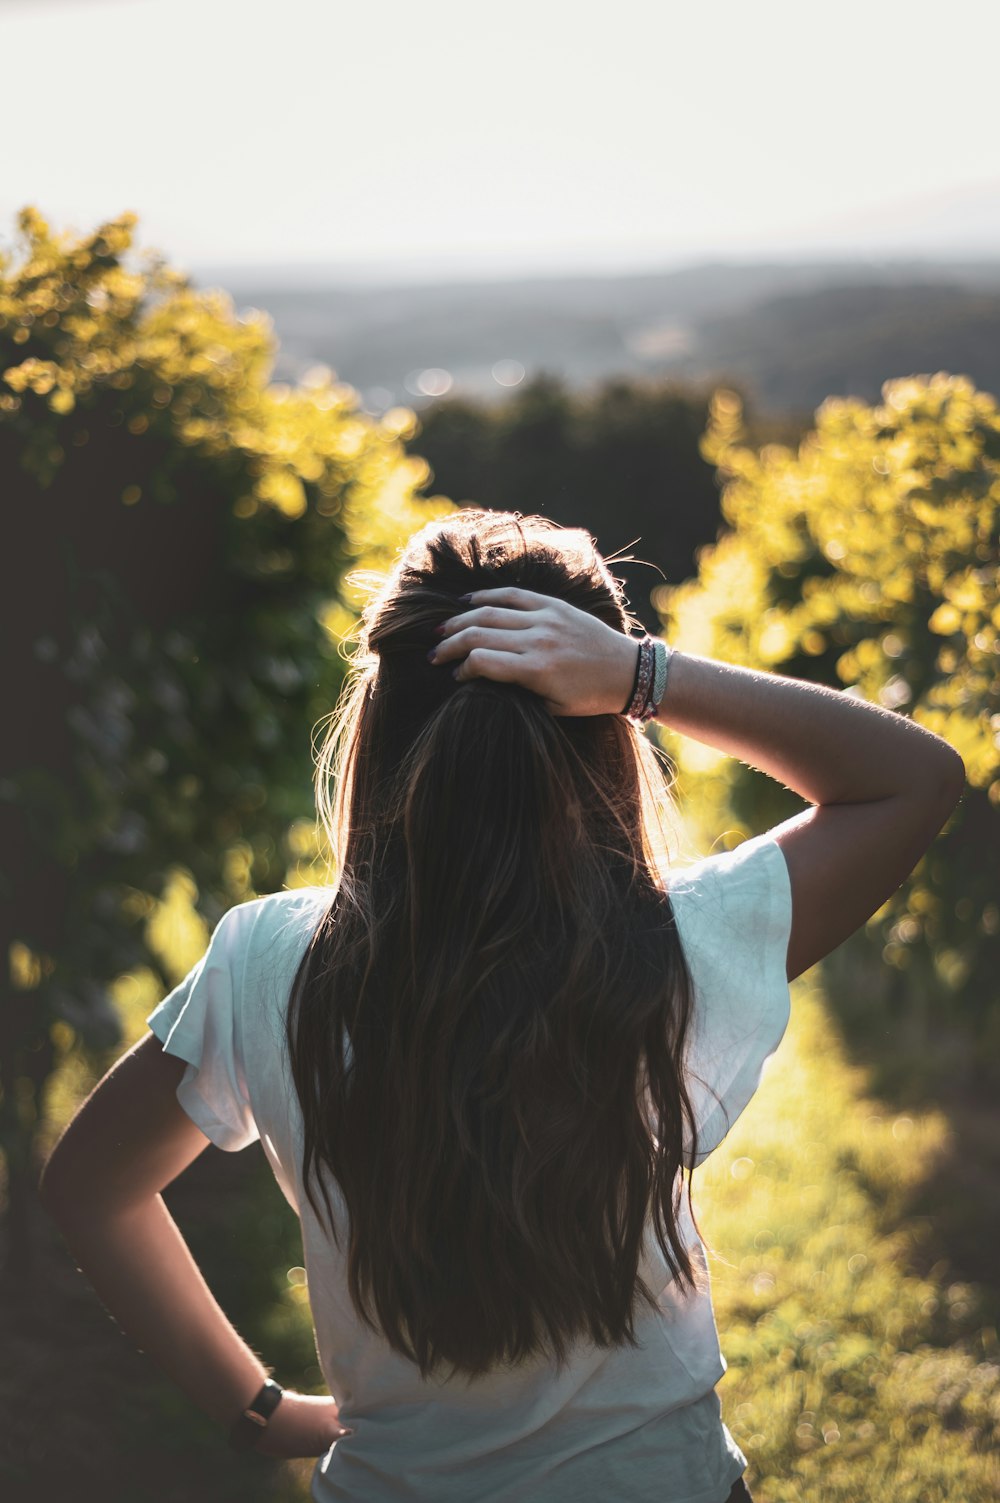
{"points": [[508, 372]]}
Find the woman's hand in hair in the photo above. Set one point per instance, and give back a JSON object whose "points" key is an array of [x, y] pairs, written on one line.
{"points": [[576, 663]]}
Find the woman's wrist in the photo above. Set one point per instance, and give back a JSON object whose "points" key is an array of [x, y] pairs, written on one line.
{"points": [[303, 1425], [249, 1425]]}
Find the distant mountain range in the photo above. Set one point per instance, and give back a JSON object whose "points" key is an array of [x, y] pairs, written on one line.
{"points": [[790, 333]]}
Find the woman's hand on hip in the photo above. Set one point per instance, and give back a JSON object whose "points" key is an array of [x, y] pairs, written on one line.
{"points": [[576, 663], [303, 1424]]}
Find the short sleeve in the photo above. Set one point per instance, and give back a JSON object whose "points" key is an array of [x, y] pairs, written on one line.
{"points": [[199, 1021], [734, 915]]}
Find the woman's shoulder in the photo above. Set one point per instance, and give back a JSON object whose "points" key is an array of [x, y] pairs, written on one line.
{"points": [[278, 929], [292, 900], [744, 892], [289, 899], [287, 916], [754, 863]]}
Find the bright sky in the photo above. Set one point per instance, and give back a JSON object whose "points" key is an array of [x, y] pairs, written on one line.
{"points": [[448, 136]]}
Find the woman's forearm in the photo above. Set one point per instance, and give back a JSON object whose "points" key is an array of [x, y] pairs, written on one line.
{"points": [[827, 746], [144, 1275]]}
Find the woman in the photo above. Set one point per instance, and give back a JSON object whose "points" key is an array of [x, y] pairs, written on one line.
{"points": [[483, 1062]]}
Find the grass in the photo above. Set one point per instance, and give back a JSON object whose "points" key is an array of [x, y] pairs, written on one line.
{"points": [[851, 1375]]}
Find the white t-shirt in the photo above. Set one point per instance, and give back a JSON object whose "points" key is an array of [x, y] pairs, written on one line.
{"points": [[640, 1424]]}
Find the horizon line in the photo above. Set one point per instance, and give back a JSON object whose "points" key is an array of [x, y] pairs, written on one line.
{"points": [[319, 273]]}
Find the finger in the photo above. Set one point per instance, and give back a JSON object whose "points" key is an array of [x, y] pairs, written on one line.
{"points": [[462, 642], [487, 615], [510, 595], [484, 662]]}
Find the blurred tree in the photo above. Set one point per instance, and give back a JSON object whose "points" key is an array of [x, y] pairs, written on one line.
{"points": [[179, 532], [871, 558], [621, 460]]}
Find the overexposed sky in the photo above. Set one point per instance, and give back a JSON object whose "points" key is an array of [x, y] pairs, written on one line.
{"points": [[450, 135]]}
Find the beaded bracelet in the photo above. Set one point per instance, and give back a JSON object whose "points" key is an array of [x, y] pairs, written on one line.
{"points": [[650, 681], [643, 679]]}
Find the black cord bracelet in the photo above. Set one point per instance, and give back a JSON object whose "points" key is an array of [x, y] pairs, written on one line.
{"points": [[635, 682]]}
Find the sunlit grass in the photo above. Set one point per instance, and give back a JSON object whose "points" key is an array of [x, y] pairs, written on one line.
{"points": [[850, 1377]]}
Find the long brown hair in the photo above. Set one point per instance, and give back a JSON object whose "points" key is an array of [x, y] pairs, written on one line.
{"points": [[491, 1017]]}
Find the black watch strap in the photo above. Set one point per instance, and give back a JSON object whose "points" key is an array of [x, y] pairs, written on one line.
{"points": [[253, 1421]]}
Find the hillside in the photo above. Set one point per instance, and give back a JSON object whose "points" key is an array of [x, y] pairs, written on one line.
{"points": [[792, 333]]}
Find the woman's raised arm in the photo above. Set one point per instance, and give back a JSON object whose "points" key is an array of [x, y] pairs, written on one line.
{"points": [[882, 786]]}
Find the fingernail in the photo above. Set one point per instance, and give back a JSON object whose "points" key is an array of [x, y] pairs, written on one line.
{"points": [[466, 597], [454, 673], [439, 630], [430, 655]]}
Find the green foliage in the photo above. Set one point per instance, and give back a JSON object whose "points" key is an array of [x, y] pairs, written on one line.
{"points": [[871, 558], [179, 588]]}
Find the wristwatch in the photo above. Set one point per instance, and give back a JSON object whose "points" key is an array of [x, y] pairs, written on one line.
{"points": [[253, 1421]]}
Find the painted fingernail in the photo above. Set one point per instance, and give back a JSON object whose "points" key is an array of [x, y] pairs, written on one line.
{"points": [[466, 597], [439, 630], [431, 654]]}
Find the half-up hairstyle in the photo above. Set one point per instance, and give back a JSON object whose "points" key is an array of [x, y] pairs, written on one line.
{"points": [[486, 1031]]}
